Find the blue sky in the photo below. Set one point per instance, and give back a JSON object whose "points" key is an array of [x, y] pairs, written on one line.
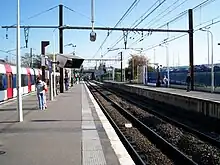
{"points": [[107, 13]]}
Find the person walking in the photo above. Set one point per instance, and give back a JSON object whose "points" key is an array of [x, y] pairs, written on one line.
{"points": [[40, 86], [45, 92], [188, 80]]}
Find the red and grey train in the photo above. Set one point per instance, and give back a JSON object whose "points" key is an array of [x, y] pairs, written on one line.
{"points": [[8, 80]]}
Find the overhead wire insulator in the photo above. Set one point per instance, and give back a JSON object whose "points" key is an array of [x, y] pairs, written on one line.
{"points": [[125, 33], [26, 35], [142, 37], [6, 36]]}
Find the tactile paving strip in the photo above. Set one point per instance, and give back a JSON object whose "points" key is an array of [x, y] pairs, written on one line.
{"points": [[91, 145], [88, 125], [92, 153], [93, 158], [87, 116]]}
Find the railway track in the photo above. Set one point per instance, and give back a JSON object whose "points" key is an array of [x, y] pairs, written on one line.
{"points": [[178, 134], [175, 119], [143, 143], [180, 120]]}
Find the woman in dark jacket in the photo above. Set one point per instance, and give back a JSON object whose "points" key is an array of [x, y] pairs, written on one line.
{"points": [[188, 80]]}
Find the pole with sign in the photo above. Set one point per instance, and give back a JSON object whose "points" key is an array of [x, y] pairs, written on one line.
{"points": [[49, 64]]}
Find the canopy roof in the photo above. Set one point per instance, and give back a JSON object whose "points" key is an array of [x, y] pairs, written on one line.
{"points": [[69, 61]]}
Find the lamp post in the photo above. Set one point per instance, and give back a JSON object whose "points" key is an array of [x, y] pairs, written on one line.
{"points": [[18, 67], [74, 46], [208, 47], [54, 66], [167, 61], [212, 65]]}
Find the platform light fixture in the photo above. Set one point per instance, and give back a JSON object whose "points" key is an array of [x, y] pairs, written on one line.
{"points": [[212, 64]]}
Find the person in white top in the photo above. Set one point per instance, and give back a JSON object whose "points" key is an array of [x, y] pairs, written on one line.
{"points": [[165, 81], [40, 86], [45, 97]]}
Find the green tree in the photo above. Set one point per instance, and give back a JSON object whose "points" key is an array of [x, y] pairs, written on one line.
{"points": [[134, 62], [31, 61]]}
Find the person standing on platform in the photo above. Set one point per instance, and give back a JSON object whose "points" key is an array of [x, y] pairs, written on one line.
{"points": [[66, 83], [45, 97], [40, 86], [165, 81], [188, 80], [72, 81]]}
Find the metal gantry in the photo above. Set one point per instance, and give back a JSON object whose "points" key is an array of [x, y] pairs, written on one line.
{"points": [[62, 27]]}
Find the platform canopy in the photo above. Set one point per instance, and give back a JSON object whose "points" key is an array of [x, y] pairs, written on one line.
{"points": [[69, 61]]}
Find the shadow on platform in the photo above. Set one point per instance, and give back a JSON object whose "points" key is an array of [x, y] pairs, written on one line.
{"points": [[57, 120], [15, 109]]}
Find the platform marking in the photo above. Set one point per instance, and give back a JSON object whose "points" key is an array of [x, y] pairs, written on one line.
{"points": [[120, 151], [14, 99], [92, 153]]}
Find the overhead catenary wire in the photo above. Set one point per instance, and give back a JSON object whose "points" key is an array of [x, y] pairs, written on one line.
{"points": [[38, 14], [81, 14], [143, 15], [176, 18], [202, 4], [128, 11], [185, 12], [149, 13], [121, 37], [160, 3], [156, 20], [173, 38], [35, 15]]}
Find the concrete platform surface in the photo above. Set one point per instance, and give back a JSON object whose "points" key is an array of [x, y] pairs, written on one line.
{"points": [[72, 131], [192, 94], [215, 97]]}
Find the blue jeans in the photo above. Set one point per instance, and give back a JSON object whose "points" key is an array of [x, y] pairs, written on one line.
{"points": [[188, 87], [40, 97], [66, 86]]}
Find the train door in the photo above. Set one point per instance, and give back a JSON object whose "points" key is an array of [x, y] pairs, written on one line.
{"points": [[29, 82], [9, 85]]}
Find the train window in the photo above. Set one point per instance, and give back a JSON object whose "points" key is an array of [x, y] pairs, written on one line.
{"points": [[26, 80], [4, 81], [32, 79], [1, 82], [22, 80], [14, 81]]}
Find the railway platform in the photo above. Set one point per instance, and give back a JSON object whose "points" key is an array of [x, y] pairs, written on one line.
{"points": [[204, 103], [182, 92], [73, 130]]}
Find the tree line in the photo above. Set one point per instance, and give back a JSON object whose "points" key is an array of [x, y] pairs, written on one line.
{"points": [[131, 72], [136, 61], [34, 60], [133, 69]]}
